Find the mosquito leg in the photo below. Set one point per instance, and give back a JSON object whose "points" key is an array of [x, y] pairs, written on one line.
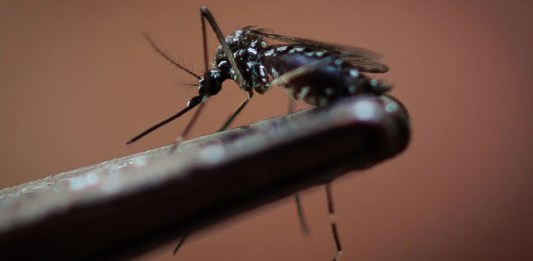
{"points": [[206, 14], [291, 105], [237, 111], [204, 42], [301, 217], [283, 79], [299, 209], [178, 245], [187, 129], [331, 211]]}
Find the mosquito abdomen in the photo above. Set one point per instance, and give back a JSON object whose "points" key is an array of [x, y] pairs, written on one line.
{"points": [[322, 85]]}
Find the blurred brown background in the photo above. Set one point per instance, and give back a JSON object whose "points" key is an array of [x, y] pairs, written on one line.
{"points": [[77, 80]]}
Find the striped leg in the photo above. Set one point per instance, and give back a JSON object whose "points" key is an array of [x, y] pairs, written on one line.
{"points": [[331, 211], [299, 209]]}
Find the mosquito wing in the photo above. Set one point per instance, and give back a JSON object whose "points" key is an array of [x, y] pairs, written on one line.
{"points": [[367, 65], [365, 60]]}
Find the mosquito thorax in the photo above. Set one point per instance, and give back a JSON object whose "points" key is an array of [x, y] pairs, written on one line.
{"points": [[246, 49], [243, 44], [242, 38]]}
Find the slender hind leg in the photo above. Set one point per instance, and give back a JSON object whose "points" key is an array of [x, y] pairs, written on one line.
{"points": [[301, 216], [331, 211], [282, 80], [299, 209], [236, 112], [178, 245]]}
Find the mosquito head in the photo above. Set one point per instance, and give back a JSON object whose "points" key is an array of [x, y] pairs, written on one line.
{"points": [[210, 83]]}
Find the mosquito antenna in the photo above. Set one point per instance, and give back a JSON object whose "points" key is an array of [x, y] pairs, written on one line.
{"points": [[191, 104], [168, 58]]}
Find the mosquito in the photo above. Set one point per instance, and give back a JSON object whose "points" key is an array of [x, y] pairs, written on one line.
{"points": [[314, 72]]}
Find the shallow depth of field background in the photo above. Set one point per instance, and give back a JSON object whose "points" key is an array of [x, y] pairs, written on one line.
{"points": [[77, 80]]}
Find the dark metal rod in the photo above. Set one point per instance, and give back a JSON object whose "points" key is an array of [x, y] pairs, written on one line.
{"points": [[128, 206]]}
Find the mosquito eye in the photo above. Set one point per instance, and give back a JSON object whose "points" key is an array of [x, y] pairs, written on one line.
{"points": [[202, 90], [215, 84], [214, 89]]}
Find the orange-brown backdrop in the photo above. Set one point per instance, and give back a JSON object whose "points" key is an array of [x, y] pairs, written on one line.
{"points": [[77, 80]]}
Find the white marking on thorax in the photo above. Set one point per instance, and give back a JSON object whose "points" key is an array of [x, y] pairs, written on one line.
{"points": [[269, 52], [252, 50], [303, 92]]}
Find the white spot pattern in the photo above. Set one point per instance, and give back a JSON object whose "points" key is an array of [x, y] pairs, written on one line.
{"points": [[274, 73], [252, 50], [354, 73], [303, 92]]}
